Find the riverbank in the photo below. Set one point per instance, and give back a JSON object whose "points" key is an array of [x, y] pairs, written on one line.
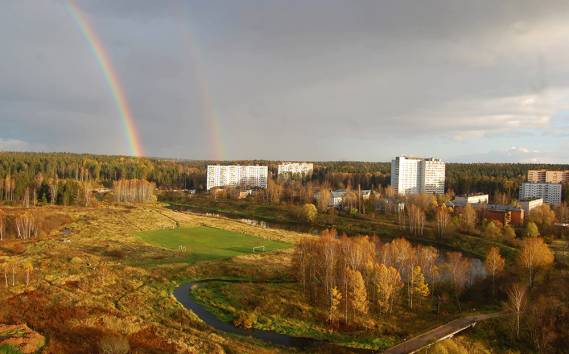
{"points": [[184, 295]]}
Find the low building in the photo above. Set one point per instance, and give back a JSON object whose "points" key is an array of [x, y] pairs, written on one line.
{"points": [[549, 192], [244, 194], [462, 200], [337, 198], [389, 205], [366, 194], [505, 214], [528, 205]]}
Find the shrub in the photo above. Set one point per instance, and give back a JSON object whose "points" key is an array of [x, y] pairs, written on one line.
{"points": [[115, 252], [245, 320], [309, 212], [531, 230], [113, 344]]}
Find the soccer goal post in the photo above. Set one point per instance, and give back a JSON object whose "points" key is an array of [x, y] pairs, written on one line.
{"points": [[258, 249]]}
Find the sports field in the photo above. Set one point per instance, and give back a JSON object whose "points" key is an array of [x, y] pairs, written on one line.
{"points": [[207, 243]]}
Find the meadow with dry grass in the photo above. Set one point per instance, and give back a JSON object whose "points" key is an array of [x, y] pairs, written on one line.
{"points": [[102, 278], [96, 284]]}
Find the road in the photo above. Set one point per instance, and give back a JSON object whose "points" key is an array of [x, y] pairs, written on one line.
{"points": [[439, 333]]}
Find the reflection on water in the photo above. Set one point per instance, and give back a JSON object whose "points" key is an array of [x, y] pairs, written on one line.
{"points": [[252, 222], [259, 223]]}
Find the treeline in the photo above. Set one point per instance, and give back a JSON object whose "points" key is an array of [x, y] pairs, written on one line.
{"points": [[23, 168], [45, 191], [356, 277], [494, 179]]}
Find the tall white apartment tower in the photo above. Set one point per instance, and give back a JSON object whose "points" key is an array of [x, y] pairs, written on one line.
{"points": [[412, 175], [235, 175]]}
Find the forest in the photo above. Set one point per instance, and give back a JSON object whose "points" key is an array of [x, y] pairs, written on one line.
{"points": [[19, 170]]}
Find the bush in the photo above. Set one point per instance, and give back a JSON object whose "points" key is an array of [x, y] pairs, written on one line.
{"points": [[113, 344], [245, 320], [531, 230], [309, 212], [115, 252]]}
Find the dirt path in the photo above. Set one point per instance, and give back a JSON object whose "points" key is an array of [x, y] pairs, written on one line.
{"points": [[439, 333]]}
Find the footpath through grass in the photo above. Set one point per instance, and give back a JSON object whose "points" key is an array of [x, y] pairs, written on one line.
{"points": [[207, 243]]}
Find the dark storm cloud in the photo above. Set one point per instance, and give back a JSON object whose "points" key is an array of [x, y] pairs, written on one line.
{"points": [[292, 79]]}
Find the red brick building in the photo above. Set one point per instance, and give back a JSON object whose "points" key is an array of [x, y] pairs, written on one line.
{"points": [[505, 214]]}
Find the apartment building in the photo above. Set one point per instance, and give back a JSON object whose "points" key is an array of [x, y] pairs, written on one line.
{"points": [[528, 205], [412, 175], [546, 176], [236, 175], [549, 192], [295, 168]]}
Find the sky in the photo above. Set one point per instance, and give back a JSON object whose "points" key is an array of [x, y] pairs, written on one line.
{"points": [[466, 81]]}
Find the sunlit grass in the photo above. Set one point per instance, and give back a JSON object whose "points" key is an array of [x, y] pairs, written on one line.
{"points": [[207, 243]]}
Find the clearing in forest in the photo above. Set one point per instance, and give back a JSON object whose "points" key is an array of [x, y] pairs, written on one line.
{"points": [[206, 243]]}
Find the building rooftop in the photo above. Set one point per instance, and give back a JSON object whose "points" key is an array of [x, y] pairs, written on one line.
{"points": [[530, 199], [471, 195], [419, 158], [502, 207]]}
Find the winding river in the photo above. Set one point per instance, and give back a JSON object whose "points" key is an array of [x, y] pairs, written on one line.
{"points": [[183, 295]]}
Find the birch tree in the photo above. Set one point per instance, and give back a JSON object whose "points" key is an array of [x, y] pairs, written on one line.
{"points": [[2, 225], [458, 267], [28, 267], [534, 253], [333, 311], [494, 264], [516, 302], [442, 219], [358, 294], [26, 226], [418, 285]]}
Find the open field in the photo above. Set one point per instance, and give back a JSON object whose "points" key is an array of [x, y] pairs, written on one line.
{"points": [[110, 270], [93, 278], [384, 226], [207, 243]]}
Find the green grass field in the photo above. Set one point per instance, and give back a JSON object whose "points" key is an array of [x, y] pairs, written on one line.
{"points": [[207, 243]]}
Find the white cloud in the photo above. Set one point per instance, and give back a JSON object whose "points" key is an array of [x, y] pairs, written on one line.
{"points": [[13, 145]]}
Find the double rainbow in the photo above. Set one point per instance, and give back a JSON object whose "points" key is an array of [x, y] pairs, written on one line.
{"points": [[110, 76]]}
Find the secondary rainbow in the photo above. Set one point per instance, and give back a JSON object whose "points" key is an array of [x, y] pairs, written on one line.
{"points": [[202, 89], [110, 75], [206, 102]]}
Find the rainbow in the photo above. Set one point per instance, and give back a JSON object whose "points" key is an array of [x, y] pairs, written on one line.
{"points": [[110, 76]]}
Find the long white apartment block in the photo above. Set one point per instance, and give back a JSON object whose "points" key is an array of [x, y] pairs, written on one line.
{"points": [[236, 175], [296, 168], [549, 192], [412, 175]]}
